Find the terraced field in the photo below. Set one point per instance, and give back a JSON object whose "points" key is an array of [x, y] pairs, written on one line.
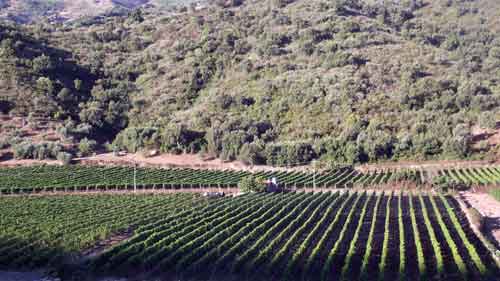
{"points": [[474, 176], [88, 178], [52, 178], [291, 236]]}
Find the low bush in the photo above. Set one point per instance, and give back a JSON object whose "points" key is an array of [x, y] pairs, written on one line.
{"points": [[65, 158], [252, 184], [86, 147], [444, 184], [39, 151]]}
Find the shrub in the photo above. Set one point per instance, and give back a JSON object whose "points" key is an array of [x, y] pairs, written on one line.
{"points": [[444, 184], [65, 158], [250, 154], [178, 138], [231, 145], [40, 151], [252, 184], [132, 139], [487, 120], [23, 150], [72, 131], [401, 176], [289, 153], [86, 147]]}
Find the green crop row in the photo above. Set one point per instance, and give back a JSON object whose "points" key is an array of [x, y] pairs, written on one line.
{"points": [[293, 236]]}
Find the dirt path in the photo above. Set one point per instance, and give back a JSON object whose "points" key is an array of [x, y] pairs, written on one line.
{"points": [[192, 161], [180, 161], [489, 208]]}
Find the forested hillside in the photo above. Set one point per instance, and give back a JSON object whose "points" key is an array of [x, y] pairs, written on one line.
{"points": [[268, 81]]}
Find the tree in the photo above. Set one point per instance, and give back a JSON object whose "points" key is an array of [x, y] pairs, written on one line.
{"points": [[134, 138], [487, 120], [250, 153], [213, 138], [44, 102], [136, 15], [86, 147], [252, 184], [65, 158], [178, 138], [42, 64]]}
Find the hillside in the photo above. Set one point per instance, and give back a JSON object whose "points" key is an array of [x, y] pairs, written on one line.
{"points": [[270, 81], [30, 11]]}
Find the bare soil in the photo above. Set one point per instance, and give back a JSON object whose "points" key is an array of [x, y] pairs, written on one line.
{"points": [[476, 238], [492, 136], [173, 160], [489, 208]]}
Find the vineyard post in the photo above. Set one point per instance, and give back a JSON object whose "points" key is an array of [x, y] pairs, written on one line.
{"points": [[314, 176]]}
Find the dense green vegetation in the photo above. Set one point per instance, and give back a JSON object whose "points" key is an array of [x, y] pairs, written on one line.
{"points": [[264, 236], [472, 176], [268, 81], [40, 231], [83, 178], [88, 178]]}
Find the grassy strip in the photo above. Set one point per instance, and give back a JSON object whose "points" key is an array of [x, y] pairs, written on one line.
{"points": [[402, 248], [470, 248], [432, 236], [352, 246], [453, 246], [328, 264], [366, 257], [316, 251], [297, 255], [385, 244], [418, 244]]}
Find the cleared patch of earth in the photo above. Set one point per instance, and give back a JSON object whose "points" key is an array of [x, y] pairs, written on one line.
{"points": [[489, 208], [181, 161], [491, 136]]}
